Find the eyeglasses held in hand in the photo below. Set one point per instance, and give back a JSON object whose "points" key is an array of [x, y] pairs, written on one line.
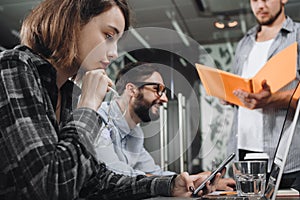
{"points": [[160, 88]]}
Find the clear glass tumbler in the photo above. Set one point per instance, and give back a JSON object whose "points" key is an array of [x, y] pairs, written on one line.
{"points": [[250, 177]]}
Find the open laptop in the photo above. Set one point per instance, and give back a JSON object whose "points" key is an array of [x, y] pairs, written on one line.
{"points": [[280, 158], [278, 164]]}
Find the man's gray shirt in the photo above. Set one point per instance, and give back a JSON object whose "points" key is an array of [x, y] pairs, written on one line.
{"points": [[122, 148], [273, 119]]}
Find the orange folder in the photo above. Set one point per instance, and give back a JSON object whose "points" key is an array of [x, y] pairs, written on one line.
{"points": [[278, 72]]}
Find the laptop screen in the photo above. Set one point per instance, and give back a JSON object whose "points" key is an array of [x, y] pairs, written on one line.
{"points": [[280, 158]]}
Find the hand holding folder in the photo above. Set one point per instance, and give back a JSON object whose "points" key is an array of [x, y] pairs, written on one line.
{"points": [[278, 72]]}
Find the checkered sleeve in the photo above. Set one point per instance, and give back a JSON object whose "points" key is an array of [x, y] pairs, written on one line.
{"points": [[40, 161], [125, 187]]}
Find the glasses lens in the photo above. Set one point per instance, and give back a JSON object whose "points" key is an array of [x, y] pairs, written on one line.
{"points": [[161, 90]]}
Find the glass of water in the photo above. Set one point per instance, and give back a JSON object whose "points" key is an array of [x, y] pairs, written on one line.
{"points": [[250, 177]]}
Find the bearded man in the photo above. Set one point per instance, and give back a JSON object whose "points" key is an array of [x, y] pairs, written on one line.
{"points": [[257, 126], [142, 91]]}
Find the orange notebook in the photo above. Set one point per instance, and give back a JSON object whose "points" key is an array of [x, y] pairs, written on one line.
{"points": [[278, 71]]}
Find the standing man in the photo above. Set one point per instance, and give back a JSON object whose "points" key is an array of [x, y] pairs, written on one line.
{"points": [[265, 110], [121, 145]]}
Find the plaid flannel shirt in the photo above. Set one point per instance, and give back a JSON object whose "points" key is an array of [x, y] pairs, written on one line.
{"points": [[41, 159]]}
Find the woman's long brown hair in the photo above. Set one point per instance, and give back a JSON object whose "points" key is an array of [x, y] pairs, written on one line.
{"points": [[52, 28]]}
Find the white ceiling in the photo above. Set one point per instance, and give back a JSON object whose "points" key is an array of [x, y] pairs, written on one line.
{"points": [[196, 22]]}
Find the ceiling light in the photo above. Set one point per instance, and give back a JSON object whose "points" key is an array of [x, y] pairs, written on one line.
{"points": [[225, 22], [139, 38], [180, 32], [183, 62], [219, 25], [232, 24], [177, 28]]}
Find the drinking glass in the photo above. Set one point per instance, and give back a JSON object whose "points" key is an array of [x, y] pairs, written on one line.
{"points": [[250, 177]]}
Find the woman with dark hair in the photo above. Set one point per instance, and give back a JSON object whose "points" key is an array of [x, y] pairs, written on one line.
{"points": [[46, 144]]}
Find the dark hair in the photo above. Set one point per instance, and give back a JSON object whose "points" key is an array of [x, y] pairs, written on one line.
{"points": [[52, 28], [134, 72]]}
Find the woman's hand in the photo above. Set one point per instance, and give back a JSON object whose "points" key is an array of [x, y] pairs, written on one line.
{"points": [[94, 87], [185, 184]]}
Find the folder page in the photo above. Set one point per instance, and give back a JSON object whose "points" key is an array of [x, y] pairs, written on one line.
{"points": [[221, 84], [233, 82], [278, 71]]}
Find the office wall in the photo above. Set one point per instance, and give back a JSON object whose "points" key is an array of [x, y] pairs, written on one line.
{"points": [[216, 118], [215, 122]]}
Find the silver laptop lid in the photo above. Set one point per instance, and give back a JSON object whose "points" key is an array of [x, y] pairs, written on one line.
{"points": [[281, 157]]}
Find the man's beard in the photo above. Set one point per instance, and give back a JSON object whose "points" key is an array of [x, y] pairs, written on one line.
{"points": [[143, 109], [271, 20]]}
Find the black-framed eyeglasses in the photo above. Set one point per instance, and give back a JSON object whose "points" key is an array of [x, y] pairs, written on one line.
{"points": [[159, 89]]}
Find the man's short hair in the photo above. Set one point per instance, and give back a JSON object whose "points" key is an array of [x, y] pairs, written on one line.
{"points": [[134, 72]]}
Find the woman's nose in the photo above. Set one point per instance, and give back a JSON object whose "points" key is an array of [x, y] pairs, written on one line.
{"points": [[112, 52]]}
